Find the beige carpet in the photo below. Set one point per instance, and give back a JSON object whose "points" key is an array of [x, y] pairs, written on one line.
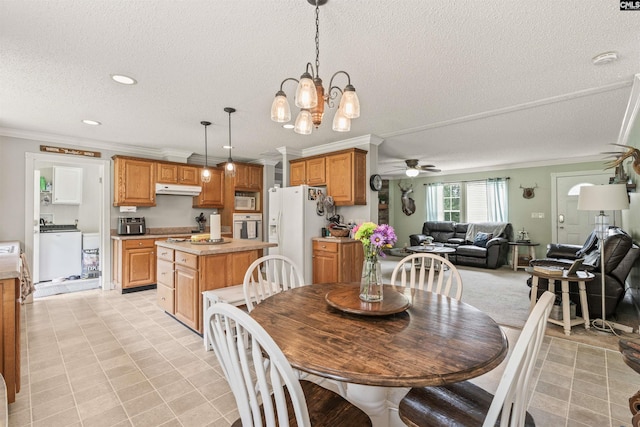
{"points": [[504, 295]]}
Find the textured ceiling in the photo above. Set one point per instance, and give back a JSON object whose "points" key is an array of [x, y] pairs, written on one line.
{"points": [[462, 85]]}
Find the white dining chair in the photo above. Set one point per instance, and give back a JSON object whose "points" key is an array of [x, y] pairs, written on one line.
{"points": [[270, 393], [466, 404], [269, 275], [429, 272]]}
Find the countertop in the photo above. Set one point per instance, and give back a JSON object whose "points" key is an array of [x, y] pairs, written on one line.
{"points": [[334, 239], [10, 263], [234, 245], [165, 232]]}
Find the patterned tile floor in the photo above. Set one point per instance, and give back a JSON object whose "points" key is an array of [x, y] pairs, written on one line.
{"points": [[105, 359]]}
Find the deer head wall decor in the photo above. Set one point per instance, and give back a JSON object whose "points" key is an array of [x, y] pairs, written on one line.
{"points": [[527, 192], [408, 204]]}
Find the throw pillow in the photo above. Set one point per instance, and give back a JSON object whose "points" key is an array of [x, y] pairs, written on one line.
{"points": [[481, 239]]}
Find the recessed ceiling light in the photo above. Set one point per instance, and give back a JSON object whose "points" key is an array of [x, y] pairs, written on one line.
{"points": [[227, 147], [288, 126], [605, 58], [122, 79], [91, 122]]}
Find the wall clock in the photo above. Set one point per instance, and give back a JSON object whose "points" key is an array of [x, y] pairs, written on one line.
{"points": [[375, 182]]}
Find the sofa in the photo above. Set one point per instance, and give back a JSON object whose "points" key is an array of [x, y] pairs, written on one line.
{"points": [[484, 244], [620, 254]]}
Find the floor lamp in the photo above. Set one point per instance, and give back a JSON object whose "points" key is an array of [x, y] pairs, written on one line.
{"points": [[602, 198]]}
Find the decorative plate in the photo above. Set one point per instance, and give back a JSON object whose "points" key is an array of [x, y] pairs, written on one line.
{"points": [[348, 300]]}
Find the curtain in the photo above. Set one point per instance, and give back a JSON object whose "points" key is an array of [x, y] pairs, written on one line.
{"points": [[434, 201], [497, 203]]}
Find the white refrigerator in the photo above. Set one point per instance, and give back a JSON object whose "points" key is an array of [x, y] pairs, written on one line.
{"points": [[294, 221]]}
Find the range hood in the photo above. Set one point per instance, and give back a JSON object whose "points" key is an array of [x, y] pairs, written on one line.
{"points": [[180, 190]]}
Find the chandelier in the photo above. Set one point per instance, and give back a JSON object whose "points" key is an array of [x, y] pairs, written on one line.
{"points": [[310, 96]]}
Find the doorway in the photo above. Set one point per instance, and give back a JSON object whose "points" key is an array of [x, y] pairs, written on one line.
{"points": [[92, 215], [569, 225]]}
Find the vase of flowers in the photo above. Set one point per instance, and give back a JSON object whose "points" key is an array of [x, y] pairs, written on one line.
{"points": [[374, 239]]}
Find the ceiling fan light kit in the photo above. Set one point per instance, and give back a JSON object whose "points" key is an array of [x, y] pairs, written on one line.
{"points": [[311, 97], [413, 169]]}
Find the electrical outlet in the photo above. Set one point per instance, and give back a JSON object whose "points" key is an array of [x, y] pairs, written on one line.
{"points": [[540, 214], [534, 214]]}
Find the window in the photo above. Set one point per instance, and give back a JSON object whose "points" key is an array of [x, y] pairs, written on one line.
{"points": [[474, 201]]}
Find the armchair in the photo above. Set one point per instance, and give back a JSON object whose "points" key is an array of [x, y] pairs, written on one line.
{"points": [[620, 255]]}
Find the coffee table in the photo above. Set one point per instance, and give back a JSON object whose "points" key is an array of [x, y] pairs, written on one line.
{"points": [[432, 249]]}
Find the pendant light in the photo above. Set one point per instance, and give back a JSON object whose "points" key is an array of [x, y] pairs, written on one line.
{"points": [[311, 97], [230, 168], [205, 176]]}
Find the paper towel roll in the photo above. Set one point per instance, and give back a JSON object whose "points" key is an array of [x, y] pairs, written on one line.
{"points": [[215, 227]]}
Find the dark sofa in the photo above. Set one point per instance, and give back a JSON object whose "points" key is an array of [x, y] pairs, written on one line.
{"points": [[471, 249], [620, 255]]}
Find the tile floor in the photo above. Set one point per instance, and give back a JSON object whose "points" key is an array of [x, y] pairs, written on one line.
{"points": [[105, 359]]}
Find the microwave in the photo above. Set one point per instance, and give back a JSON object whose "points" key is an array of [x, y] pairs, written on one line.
{"points": [[245, 203]]}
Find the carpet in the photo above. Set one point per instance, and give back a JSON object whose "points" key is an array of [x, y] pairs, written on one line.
{"points": [[504, 295], [47, 289]]}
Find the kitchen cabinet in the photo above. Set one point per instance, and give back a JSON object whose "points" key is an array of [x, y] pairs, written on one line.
{"points": [[174, 173], [186, 298], [346, 177], [337, 260], [246, 182], [212, 194], [310, 171], [248, 177], [134, 264], [165, 279], [67, 186], [134, 181], [10, 336]]}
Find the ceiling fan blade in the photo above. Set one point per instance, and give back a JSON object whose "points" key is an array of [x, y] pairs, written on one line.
{"points": [[427, 166], [426, 169]]}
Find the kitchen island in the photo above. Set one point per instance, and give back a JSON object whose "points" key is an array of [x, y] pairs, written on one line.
{"points": [[186, 269]]}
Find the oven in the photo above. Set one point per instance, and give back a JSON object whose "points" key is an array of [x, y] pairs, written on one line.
{"points": [[247, 226]]}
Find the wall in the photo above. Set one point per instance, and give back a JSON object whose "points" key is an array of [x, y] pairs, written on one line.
{"points": [[520, 209]]}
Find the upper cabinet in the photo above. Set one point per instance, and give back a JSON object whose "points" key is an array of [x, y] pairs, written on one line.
{"points": [[67, 185], [343, 172], [134, 181], [173, 173], [248, 177], [212, 194]]}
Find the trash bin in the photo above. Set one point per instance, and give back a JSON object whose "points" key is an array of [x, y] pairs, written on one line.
{"points": [[90, 255]]}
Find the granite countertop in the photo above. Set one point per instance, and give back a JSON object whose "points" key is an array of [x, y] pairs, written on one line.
{"points": [[162, 232], [230, 245], [10, 263], [334, 239]]}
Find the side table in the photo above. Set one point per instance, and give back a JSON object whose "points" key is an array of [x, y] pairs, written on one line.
{"points": [[581, 277], [516, 259]]}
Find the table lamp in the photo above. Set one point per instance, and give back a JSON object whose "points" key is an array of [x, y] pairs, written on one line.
{"points": [[602, 198]]}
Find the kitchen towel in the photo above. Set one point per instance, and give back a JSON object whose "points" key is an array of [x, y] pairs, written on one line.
{"points": [[215, 233]]}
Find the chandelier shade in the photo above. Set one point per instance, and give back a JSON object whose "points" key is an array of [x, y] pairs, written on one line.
{"points": [[311, 97], [205, 175]]}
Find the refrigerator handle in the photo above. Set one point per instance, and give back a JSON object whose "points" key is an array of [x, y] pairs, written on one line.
{"points": [[279, 230]]}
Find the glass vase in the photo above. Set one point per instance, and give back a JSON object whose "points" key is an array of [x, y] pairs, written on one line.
{"points": [[371, 281]]}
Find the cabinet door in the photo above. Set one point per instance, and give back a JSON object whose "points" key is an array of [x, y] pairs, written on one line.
{"points": [[139, 267], [241, 180], [212, 194], [240, 262], [339, 178], [297, 173], [255, 177], [134, 182], [316, 171], [166, 173], [67, 186], [350, 262], [325, 267], [359, 177], [188, 175], [186, 296]]}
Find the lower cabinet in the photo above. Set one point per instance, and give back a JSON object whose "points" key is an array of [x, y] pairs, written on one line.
{"points": [[134, 263], [10, 336], [337, 260]]}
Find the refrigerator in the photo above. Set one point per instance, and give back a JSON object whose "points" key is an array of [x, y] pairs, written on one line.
{"points": [[293, 221]]}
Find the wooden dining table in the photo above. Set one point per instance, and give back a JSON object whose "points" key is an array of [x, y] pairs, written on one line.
{"points": [[436, 340]]}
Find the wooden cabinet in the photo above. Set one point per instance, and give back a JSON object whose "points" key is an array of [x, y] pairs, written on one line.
{"points": [[346, 177], [248, 177], [246, 182], [10, 336], [165, 279], [67, 186], [187, 299], [134, 182], [310, 171], [337, 260], [174, 173], [134, 264], [212, 194]]}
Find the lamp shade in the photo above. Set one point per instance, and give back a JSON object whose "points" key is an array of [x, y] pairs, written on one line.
{"points": [[612, 197], [412, 172]]}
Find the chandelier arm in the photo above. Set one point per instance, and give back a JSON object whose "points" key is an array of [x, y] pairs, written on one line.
{"points": [[311, 70], [340, 72], [285, 80]]}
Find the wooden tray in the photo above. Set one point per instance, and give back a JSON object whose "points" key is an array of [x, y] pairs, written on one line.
{"points": [[348, 300], [210, 242]]}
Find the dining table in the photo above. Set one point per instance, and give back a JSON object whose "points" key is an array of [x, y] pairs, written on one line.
{"points": [[413, 338]]}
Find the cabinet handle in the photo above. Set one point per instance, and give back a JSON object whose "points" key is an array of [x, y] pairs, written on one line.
{"points": [[163, 253], [184, 260], [163, 299], [324, 247], [139, 243]]}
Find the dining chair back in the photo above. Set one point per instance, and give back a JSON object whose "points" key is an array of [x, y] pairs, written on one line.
{"points": [[429, 272], [465, 404], [270, 394], [269, 275]]}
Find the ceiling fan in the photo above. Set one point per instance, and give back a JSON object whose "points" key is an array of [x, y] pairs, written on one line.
{"points": [[413, 168]]}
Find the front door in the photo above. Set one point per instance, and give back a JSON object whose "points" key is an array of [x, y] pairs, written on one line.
{"points": [[571, 225]]}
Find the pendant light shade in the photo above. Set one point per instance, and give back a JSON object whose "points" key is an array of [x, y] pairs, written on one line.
{"points": [[304, 123], [280, 111], [306, 96], [230, 167], [349, 103], [340, 122], [205, 176]]}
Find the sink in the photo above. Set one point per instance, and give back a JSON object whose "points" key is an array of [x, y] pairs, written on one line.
{"points": [[8, 249]]}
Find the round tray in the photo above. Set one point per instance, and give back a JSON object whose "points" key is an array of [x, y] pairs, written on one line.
{"points": [[348, 300], [210, 242]]}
